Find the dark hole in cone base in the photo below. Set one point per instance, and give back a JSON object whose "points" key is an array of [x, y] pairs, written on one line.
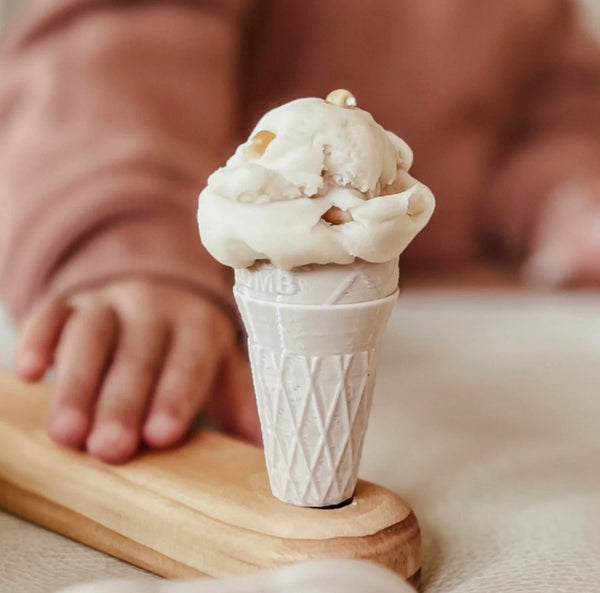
{"points": [[339, 505]]}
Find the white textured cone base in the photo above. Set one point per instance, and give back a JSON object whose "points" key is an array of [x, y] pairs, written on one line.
{"points": [[315, 284], [314, 373]]}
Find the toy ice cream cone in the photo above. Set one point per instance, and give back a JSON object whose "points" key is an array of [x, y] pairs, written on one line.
{"points": [[312, 212], [313, 340]]}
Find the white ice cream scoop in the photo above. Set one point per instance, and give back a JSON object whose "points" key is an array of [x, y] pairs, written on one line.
{"points": [[318, 181]]}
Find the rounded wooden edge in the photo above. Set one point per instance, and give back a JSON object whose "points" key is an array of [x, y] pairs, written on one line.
{"points": [[372, 509], [397, 547]]}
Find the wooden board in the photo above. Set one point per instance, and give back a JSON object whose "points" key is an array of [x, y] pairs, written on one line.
{"points": [[203, 508]]}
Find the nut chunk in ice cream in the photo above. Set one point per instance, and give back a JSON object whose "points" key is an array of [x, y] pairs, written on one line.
{"points": [[313, 212], [317, 182]]}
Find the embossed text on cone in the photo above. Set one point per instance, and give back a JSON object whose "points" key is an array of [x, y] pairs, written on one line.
{"points": [[314, 369]]}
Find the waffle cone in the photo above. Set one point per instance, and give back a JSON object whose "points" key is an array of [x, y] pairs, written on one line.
{"points": [[314, 368]]}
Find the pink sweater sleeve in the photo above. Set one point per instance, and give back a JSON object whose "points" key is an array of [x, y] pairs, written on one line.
{"points": [[555, 137], [112, 114]]}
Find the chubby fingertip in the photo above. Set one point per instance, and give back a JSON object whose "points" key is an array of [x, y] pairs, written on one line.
{"points": [[241, 423], [30, 365], [112, 443], [252, 438], [250, 433], [162, 430], [549, 268], [68, 427], [256, 438]]}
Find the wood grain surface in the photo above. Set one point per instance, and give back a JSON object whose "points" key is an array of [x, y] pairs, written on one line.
{"points": [[203, 508]]}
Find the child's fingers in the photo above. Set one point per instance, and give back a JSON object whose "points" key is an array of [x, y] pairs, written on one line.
{"points": [[85, 347], [182, 388], [38, 339], [566, 248], [233, 409], [574, 264], [127, 389]]}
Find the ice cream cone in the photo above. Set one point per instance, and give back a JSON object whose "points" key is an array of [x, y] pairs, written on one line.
{"points": [[313, 341], [321, 189]]}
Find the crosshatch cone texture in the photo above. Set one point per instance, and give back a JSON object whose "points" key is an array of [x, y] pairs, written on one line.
{"points": [[314, 372]]}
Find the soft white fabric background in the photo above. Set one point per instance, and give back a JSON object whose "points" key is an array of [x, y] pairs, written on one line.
{"points": [[487, 420]]}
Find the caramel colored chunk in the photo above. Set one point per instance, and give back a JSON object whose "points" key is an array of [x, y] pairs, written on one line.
{"points": [[259, 142], [336, 215], [341, 98]]}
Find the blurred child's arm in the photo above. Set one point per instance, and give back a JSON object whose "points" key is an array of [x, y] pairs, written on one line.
{"points": [[111, 116], [545, 202]]}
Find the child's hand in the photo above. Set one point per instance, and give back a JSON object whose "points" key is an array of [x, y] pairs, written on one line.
{"points": [[136, 361], [566, 250]]}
